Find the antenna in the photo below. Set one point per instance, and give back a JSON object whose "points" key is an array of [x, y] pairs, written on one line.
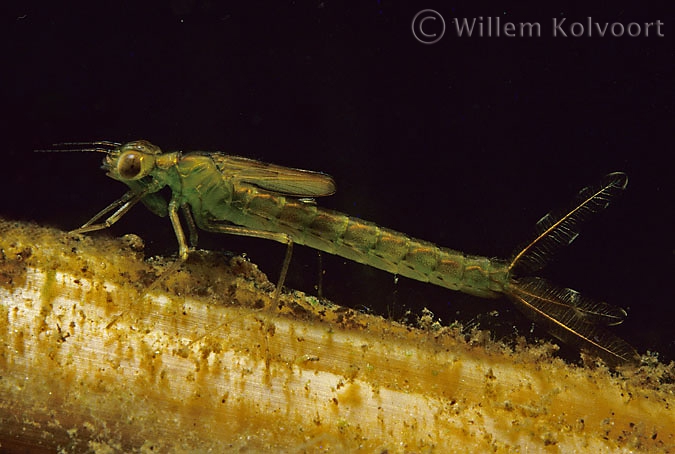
{"points": [[100, 146]]}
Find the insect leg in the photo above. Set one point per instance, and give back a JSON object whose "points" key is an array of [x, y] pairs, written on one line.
{"points": [[192, 227], [276, 236], [125, 203], [178, 229]]}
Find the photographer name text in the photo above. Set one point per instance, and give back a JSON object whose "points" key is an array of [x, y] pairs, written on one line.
{"points": [[560, 27]]}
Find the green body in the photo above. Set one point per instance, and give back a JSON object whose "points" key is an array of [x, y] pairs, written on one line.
{"points": [[197, 181]]}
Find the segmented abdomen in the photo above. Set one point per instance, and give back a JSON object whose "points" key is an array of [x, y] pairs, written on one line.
{"points": [[367, 243]]}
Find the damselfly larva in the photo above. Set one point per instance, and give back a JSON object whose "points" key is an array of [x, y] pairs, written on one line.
{"points": [[230, 194]]}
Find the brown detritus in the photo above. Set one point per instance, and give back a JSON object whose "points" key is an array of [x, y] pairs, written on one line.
{"points": [[91, 360]]}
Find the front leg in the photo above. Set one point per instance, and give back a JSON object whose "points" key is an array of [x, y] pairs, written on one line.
{"points": [[125, 203]]}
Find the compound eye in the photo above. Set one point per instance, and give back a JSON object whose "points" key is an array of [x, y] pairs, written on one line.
{"points": [[130, 165]]}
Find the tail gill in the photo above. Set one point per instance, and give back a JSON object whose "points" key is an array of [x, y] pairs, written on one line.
{"points": [[566, 314]]}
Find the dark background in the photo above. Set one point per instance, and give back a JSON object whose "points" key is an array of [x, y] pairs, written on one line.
{"points": [[466, 143]]}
